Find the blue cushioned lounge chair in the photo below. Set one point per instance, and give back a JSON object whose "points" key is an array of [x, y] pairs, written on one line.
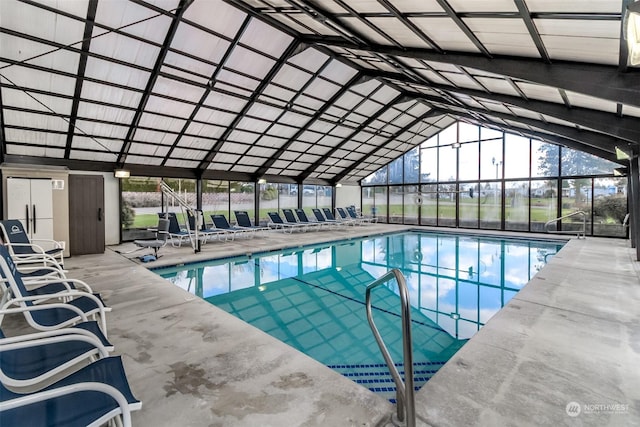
{"points": [[243, 220], [91, 396], [303, 219], [278, 224], [330, 217], [321, 219], [291, 219], [220, 223], [28, 250], [39, 311], [36, 360]]}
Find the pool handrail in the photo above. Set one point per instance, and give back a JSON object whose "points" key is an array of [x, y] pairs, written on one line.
{"points": [[405, 407], [572, 214]]}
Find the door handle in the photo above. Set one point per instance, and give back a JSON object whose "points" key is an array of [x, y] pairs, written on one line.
{"points": [[34, 219], [99, 214], [26, 208]]}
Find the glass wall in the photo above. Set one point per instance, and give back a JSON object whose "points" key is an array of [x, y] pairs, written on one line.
{"points": [[474, 177], [242, 198]]}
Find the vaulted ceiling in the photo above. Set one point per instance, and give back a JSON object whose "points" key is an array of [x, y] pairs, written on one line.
{"points": [[319, 91]]}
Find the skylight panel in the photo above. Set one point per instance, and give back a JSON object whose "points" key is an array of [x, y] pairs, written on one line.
{"points": [[93, 156], [243, 137], [368, 108], [182, 153], [148, 149], [261, 151], [115, 73], [112, 147], [251, 160], [19, 99], [20, 49], [122, 13], [214, 117], [162, 123], [232, 81], [504, 36], [630, 110], [169, 107], [208, 47], [282, 131], [321, 89], [314, 25], [144, 160], [44, 24], [194, 69], [205, 130], [291, 77], [445, 33], [583, 49], [110, 94], [125, 49], [264, 111], [294, 119], [289, 155], [219, 166], [171, 162], [483, 6], [540, 92], [249, 62], [101, 129], [462, 80], [600, 6], [586, 101], [499, 86], [265, 38], [338, 72], [147, 135], [35, 137], [217, 15], [195, 142], [417, 6], [226, 158], [176, 89], [367, 32], [400, 32], [33, 120]]}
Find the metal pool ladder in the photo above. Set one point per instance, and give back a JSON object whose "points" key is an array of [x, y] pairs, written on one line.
{"points": [[580, 232], [405, 401]]}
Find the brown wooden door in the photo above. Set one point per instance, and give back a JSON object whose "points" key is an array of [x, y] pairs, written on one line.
{"points": [[86, 214]]}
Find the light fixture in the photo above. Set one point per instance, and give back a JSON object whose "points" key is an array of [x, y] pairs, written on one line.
{"points": [[262, 181], [620, 171], [632, 33], [121, 173], [623, 153], [455, 145], [338, 185]]}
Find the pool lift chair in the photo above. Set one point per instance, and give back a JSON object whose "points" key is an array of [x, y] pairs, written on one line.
{"points": [[162, 235], [195, 235]]}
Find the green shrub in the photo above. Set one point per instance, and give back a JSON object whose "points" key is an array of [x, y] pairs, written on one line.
{"points": [[614, 207], [128, 215]]}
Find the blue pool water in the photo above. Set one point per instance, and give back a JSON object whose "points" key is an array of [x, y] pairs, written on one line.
{"points": [[313, 298]]}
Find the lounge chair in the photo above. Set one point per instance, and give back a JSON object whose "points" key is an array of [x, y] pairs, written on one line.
{"points": [[330, 217], [35, 360], [204, 233], [26, 250], [277, 223], [291, 219], [220, 223], [344, 216], [92, 396], [176, 234], [351, 210], [321, 219], [39, 311], [162, 234], [303, 219], [243, 220]]}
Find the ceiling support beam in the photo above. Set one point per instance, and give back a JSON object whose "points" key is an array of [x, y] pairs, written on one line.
{"points": [[171, 32], [601, 81], [82, 66], [533, 31]]}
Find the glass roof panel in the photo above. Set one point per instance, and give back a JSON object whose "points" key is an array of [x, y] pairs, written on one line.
{"points": [[92, 156], [169, 107], [217, 15], [110, 94], [586, 101], [33, 120], [20, 49], [541, 92], [291, 77], [125, 49], [209, 47], [44, 24], [146, 135], [144, 160], [147, 24], [365, 31], [243, 137], [177, 89], [101, 129], [321, 89], [20, 99], [400, 32], [36, 137], [110, 146], [214, 117], [249, 62], [115, 73], [188, 68], [483, 6], [194, 142], [445, 33], [271, 141], [265, 38], [205, 130], [338, 72], [182, 163], [267, 112], [417, 6], [229, 80], [161, 123], [583, 49], [599, 6]]}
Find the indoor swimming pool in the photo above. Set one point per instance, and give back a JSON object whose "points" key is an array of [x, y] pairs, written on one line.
{"points": [[313, 297]]}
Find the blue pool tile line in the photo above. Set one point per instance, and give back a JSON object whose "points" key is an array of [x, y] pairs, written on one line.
{"points": [[383, 365]]}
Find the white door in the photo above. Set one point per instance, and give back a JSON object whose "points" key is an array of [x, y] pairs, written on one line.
{"points": [[19, 199]]}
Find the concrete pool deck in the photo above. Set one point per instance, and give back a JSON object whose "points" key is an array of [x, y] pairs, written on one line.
{"points": [[571, 335]]}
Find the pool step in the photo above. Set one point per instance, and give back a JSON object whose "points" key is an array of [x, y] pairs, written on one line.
{"points": [[376, 377]]}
